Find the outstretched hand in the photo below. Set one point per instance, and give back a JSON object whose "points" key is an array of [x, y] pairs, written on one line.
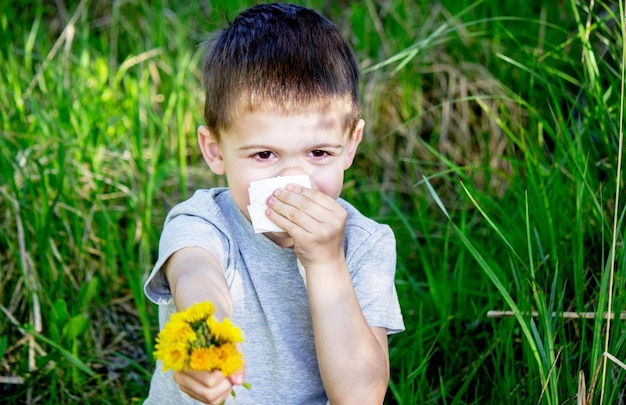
{"points": [[314, 220], [209, 387]]}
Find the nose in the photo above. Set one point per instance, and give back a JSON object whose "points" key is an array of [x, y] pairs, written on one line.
{"points": [[292, 171], [292, 167]]}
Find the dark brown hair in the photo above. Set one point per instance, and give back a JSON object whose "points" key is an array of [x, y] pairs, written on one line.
{"points": [[281, 57]]}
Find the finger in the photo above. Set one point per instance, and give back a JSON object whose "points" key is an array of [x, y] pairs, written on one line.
{"points": [[207, 387], [207, 378], [289, 216], [205, 395], [237, 378], [301, 204], [320, 198], [289, 219]]}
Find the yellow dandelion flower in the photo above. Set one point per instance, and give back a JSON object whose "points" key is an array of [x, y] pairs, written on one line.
{"points": [[225, 331], [230, 360], [172, 346], [204, 359], [176, 330], [194, 340], [197, 312], [174, 355]]}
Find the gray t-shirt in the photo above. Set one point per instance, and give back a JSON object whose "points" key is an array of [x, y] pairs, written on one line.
{"points": [[269, 296]]}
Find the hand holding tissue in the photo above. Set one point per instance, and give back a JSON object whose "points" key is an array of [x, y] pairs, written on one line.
{"points": [[260, 190]]}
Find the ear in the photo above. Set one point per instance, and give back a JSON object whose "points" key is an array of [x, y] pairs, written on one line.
{"points": [[210, 148], [353, 142]]}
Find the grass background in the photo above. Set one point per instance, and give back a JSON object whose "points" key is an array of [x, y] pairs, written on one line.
{"points": [[493, 148]]}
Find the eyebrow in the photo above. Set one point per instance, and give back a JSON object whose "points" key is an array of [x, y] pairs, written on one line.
{"points": [[327, 146], [314, 146], [249, 147]]}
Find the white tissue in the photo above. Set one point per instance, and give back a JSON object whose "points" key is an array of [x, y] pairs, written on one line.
{"points": [[260, 190]]}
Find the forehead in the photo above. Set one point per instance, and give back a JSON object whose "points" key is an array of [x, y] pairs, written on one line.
{"points": [[295, 125], [338, 108]]}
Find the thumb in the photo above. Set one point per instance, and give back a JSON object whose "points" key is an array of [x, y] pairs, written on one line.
{"points": [[237, 378]]}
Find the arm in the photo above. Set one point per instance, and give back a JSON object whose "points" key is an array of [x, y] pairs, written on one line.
{"points": [[195, 275], [352, 356]]}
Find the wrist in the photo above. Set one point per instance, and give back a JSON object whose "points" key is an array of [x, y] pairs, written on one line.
{"points": [[327, 269]]}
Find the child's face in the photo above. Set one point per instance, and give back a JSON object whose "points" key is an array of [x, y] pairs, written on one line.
{"points": [[261, 145]]}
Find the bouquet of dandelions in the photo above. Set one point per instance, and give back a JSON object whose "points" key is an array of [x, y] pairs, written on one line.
{"points": [[194, 340]]}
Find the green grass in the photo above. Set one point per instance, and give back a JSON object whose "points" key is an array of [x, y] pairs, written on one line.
{"points": [[493, 144]]}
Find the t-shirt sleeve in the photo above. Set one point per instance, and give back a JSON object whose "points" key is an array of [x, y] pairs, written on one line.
{"points": [[373, 268], [180, 231]]}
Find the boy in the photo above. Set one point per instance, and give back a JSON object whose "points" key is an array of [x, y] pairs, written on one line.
{"points": [[281, 99]]}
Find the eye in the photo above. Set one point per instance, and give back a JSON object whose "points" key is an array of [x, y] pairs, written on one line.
{"points": [[263, 155], [319, 153]]}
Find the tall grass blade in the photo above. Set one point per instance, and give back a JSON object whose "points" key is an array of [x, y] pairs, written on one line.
{"points": [[491, 273], [611, 268]]}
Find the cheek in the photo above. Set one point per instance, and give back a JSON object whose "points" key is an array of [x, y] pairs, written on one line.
{"points": [[238, 184], [329, 184]]}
